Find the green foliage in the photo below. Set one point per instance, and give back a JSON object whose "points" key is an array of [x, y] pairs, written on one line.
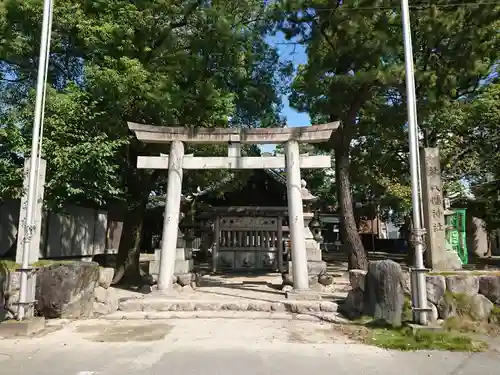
{"points": [[468, 137], [320, 182], [355, 73], [170, 63]]}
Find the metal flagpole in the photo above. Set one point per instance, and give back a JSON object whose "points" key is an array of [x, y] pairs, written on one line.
{"points": [[40, 142], [31, 193], [418, 281]]}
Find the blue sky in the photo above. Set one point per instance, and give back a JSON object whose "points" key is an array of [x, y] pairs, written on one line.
{"points": [[296, 54]]}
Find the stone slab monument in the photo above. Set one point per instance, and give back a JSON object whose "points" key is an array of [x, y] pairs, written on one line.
{"points": [[436, 255]]}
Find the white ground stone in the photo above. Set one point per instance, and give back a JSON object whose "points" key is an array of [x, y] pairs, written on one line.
{"points": [[220, 347]]}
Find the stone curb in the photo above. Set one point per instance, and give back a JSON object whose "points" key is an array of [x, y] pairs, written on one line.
{"points": [[250, 315], [165, 304]]}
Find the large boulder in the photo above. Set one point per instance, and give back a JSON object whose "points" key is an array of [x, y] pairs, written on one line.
{"points": [[489, 286], [436, 287], [67, 290], [463, 283], [476, 307], [384, 292], [433, 315], [9, 291], [407, 282]]}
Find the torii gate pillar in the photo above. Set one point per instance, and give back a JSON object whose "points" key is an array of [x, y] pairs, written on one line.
{"points": [[171, 217], [296, 216]]}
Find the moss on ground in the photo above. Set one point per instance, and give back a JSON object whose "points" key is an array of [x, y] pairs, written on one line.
{"points": [[407, 315], [409, 340], [463, 304], [11, 265], [464, 273], [466, 320], [462, 333], [495, 316], [376, 333]]}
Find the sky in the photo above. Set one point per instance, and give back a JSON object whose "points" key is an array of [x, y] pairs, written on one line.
{"points": [[295, 53]]}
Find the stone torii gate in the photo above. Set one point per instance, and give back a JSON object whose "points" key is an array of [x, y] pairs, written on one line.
{"points": [[176, 162]]}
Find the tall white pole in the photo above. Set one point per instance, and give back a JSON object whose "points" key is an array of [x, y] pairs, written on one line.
{"points": [[418, 282], [296, 216], [40, 142], [31, 193]]}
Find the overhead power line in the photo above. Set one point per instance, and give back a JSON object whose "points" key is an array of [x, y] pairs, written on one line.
{"points": [[342, 7]]}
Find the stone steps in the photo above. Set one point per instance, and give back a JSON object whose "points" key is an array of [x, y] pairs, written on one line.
{"points": [[162, 304], [330, 317]]}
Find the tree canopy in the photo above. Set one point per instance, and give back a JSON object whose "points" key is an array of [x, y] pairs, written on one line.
{"points": [[355, 73], [167, 63], [207, 63]]}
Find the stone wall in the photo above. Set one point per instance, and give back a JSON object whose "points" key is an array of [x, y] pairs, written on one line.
{"points": [[455, 294], [72, 290], [459, 294], [105, 298], [10, 281]]}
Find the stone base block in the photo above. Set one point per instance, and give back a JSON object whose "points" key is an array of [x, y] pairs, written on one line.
{"points": [[303, 295], [26, 327], [314, 268], [181, 253], [431, 327], [447, 260], [313, 252], [181, 267]]}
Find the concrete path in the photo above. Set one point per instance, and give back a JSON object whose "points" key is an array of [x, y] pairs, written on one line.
{"points": [[220, 347]]}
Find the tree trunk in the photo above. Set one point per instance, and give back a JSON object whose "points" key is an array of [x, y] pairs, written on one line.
{"points": [[407, 235], [129, 251], [350, 237]]}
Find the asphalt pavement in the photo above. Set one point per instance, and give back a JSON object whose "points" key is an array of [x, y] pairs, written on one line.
{"points": [[220, 347]]}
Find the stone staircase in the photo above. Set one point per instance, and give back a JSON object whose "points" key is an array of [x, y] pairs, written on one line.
{"points": [[158, 307]]}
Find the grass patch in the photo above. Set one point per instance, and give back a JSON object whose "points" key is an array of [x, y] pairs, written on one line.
{"points": [[11, 265], [8, 265], [464, 325], [467, 320], [464, 273], [407, 315], [495, 316], [408, 340], [455, 335]]}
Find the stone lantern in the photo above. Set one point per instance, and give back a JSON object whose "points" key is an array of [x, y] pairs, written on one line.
{"points": [[315, 226], [315, 264]]}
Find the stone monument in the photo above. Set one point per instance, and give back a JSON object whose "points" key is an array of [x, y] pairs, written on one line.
{"points": [[436, 255]]}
